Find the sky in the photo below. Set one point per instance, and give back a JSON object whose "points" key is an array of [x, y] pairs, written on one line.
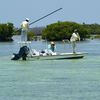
{"points": [[15, 11]]}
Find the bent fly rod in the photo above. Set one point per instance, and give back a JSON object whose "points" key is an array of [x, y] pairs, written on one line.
{"points": [[45, 16]]}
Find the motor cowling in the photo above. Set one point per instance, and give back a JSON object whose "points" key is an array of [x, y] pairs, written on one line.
{"points": [[23, 52]]}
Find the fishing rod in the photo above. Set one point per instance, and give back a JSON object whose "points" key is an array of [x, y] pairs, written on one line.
{"points": [[45, 16]]}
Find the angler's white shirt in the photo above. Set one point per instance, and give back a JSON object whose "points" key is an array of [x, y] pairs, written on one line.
{"points": [[74, 37], [25, 25]]}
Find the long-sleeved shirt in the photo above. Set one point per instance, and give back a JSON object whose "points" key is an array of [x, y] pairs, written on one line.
{"points": [[25, 25]]}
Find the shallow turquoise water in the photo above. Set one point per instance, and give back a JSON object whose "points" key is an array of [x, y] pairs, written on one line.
{"points": [[51, 79]]}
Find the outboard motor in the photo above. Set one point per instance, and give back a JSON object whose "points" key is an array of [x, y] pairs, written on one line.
{"points": [[23, 52]]}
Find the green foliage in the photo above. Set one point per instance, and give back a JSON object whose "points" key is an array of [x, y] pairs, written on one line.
{"points": [[17, 31], [63, 30], [92, 28], [30, 35], [6, 32]]}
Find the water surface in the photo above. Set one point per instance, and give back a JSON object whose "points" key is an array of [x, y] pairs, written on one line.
{"points": [[74, 79]]}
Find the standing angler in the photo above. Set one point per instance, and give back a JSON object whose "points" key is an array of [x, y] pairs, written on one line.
{"points": [[75, 36], [24, 29]]}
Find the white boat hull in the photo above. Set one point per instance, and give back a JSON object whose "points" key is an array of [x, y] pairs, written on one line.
{"points": [[58, 56]]}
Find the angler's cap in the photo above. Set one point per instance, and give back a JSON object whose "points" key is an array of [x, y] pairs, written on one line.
{"points": [[27, 19]]}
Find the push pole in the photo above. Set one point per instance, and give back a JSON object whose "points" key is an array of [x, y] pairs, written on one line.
{"points": [[45, 16], [41, 18]]}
